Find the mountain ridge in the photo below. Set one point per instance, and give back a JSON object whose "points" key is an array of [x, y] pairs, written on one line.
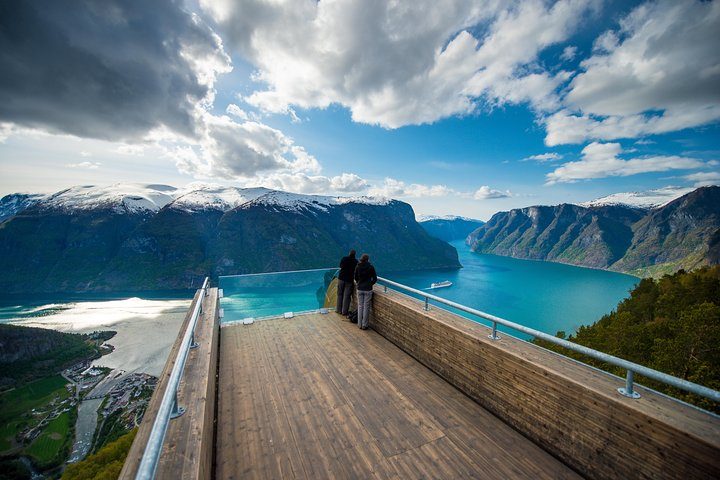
{"points": [[158, 238], [680, 234]]}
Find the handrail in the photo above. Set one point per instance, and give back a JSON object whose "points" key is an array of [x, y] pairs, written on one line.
{"points": [[169, 407], [631, 367]]}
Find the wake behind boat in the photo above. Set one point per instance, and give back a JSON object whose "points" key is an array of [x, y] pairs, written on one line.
{"points": [[444, 283]]}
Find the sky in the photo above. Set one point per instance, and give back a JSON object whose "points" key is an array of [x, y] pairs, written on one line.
{"points": [[455, 107]]}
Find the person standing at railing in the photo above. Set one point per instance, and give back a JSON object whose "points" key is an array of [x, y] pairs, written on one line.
{"points": [[345, 282], [365, 277]]}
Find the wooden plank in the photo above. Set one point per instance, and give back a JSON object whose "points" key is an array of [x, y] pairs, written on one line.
{"points": [[567, 408], [346, 403]]}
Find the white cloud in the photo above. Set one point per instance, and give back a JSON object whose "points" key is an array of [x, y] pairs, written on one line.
{"points": [[398, 63], [236, 111], [315, 184], [232, 150], [659, 72], [87, 165], [487, 193], [395, 188], [569, 53], [544, 157], [602, 160], [702, 179], [564, 127]]}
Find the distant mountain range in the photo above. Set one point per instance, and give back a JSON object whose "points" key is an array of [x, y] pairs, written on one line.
{"points": [[156, 237], [681, 234], [449, 227]]}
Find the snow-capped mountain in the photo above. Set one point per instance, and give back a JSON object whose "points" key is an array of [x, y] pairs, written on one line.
{"points": [[683, 233], [125, 198], [647, 200], [150, 237], [121, 198], [11, 204]]}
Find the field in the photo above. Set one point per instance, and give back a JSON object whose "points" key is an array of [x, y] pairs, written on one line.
{"points": [[48, 447], [16, 407]]}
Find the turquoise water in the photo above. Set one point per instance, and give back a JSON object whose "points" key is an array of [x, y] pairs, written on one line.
{"points": [[540, 295], [545, 296], [273, 294]]}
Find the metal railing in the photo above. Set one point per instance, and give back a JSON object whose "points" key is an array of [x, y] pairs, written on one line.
{"points": [[169, 407], [630, 367]]}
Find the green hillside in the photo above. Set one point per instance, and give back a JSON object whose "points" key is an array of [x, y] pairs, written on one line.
{"points": [[671, 324]]}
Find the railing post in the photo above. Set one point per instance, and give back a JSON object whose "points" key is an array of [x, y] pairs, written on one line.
{"points": [[426, 304], [494, 335], [177, 410], [628, 390]]}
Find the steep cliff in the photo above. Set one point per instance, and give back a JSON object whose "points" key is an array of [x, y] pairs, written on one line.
{"points": [[680, 234]]}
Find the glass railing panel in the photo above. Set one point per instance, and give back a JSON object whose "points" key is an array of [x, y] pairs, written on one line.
{"points": [[272, 294]]}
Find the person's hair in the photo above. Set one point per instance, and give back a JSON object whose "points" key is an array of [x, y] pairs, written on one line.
{"points": [[365, 257], [352, 253]]}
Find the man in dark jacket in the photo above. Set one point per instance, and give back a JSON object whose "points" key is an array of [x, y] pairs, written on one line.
{"points": [[345, 282], [365, 277]]}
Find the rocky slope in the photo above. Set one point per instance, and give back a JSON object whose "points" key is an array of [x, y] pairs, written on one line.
{"points": [[684, 233], [156, 237], [450, 228]]}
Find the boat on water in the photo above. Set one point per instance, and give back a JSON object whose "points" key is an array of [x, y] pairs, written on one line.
{"points": [[444, 283]]}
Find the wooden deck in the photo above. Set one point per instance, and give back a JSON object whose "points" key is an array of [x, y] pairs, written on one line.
{"points": [[315, 397]]}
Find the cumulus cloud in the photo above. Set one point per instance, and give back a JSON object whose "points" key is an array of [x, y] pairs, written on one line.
{"points": [[110, 70], [487, 193], [398, 63], [544, 157], [659, 72], [600, 160], [313, 184], [240, 150], [397, 188]]}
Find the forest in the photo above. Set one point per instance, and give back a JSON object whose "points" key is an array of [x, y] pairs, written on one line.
{"points": [[671, 324]]}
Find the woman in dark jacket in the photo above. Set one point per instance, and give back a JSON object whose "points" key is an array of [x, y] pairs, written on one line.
{"points": [[345, 282], [365, 277]]}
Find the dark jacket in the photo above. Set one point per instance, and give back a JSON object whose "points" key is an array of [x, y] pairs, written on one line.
{"points": [[347, 268], [365, 276]]}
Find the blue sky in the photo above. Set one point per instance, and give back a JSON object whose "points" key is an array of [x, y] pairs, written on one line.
{"points": [[456, 107]]}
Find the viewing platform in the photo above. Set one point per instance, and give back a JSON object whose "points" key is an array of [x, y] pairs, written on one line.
{"points": [[424, 393]]}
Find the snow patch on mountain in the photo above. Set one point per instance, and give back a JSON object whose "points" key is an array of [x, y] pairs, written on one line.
{"points": [[11, 204], [125, 198], [299, 202], [120, 197], [215, 197], [648, 200]]}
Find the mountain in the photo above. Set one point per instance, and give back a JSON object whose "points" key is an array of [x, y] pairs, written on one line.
{"points": [[449, 228], [11, 204], [648, 200], [681, 234], [156, 237], [27, 353]]}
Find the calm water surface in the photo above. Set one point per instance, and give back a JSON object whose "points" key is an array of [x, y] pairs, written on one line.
{"points": [[541, 295]]}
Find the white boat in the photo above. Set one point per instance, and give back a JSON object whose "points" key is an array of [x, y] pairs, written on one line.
{"points": [[444, 283]]}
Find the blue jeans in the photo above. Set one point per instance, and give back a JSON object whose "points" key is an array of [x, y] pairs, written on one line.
{"points": [[344, 292], [364, 304]]}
